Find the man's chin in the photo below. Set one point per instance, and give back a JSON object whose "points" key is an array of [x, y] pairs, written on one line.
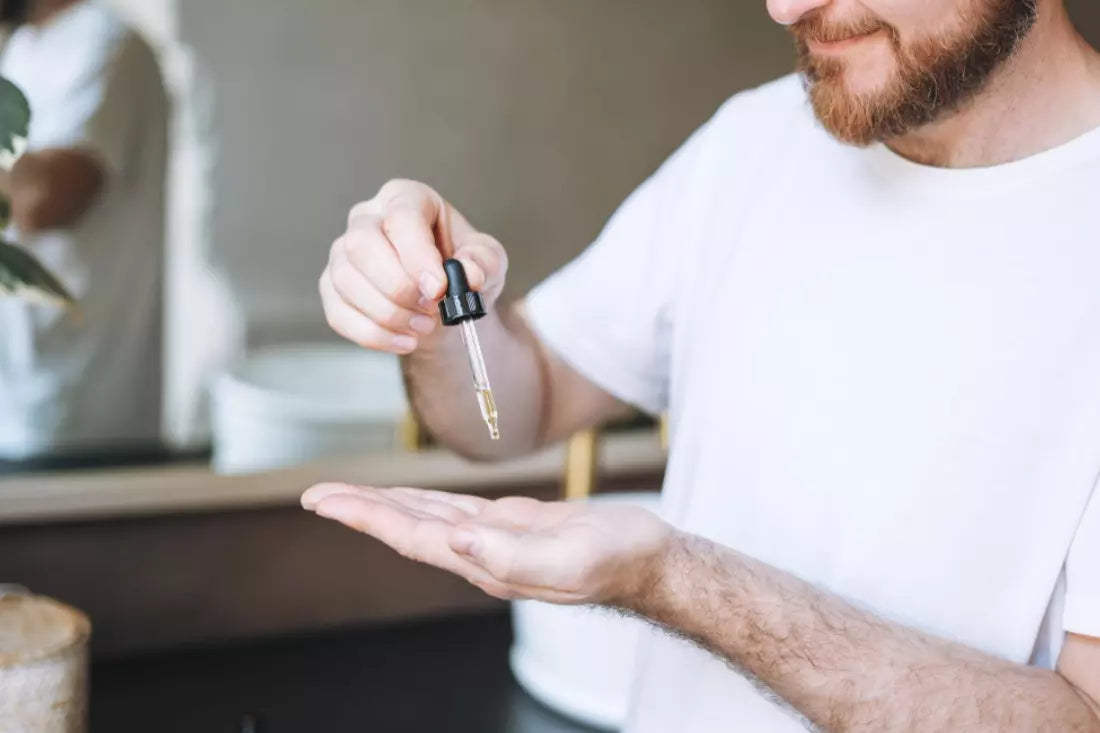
{"points": [[849, 118]]}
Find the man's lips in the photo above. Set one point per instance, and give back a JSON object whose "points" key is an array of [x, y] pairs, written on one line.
{"points": [[841, 45]]}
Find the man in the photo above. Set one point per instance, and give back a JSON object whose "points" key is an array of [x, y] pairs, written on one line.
{"points": [[88, 199], [874, 319]]}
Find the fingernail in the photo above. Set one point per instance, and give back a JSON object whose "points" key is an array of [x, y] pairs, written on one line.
{"points": [[421, 324], [430, 285], [404, 343], [425, 303]]}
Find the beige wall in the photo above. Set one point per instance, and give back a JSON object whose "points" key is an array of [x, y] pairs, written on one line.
{"points": [[535, 116]]}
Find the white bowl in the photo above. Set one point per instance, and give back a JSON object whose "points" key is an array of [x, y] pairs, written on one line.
{"points": [[579, 660], [290, 404]]}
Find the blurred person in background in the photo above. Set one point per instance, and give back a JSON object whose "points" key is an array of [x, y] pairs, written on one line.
{"points": [[88, 200], [868, 296]]}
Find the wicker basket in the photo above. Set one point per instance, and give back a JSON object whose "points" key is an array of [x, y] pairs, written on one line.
{"points": [[43, 665]]}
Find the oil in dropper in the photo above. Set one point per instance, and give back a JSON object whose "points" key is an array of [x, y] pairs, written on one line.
{"points": [[462, 306]]}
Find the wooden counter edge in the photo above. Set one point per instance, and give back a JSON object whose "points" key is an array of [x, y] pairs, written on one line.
{"points": [[100, 494]]}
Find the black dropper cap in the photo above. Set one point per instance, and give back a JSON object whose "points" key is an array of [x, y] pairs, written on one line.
{"points": [[460, 303]]}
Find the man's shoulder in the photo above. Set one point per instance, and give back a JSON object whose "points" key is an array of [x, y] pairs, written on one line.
{"points": [[749, 130]]}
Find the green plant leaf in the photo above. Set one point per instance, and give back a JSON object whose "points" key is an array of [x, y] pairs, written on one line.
{"points": [[15, 117], [23, 275]]}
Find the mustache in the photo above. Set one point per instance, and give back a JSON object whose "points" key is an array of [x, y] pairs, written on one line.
{"points": [[815, 27]]}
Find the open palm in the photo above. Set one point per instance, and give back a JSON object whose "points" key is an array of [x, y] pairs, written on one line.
{"points": [[510, 548]]}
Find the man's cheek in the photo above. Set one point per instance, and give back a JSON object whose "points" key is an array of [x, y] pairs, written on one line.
{"points": [[917, 19]]}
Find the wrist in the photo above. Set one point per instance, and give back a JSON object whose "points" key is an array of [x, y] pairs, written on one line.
{"points": [[647, 579]]}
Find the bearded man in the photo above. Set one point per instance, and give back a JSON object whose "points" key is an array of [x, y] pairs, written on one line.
{"points": [[868, 296]]}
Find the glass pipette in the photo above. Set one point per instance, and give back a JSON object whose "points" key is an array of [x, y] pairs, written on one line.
{"points": [[461, 307]]}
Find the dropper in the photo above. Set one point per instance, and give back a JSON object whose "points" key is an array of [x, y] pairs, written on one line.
{"points": [[462, 306]]}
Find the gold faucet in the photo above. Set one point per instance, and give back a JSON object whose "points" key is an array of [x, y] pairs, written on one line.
{"points": [[581, 454], [582, 460], [581, 457], [410, 436]]}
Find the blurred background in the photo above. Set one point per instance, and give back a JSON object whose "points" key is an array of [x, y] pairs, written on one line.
{"points": [[215, 603]]}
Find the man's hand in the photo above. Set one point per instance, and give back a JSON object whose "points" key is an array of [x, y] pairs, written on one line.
{"points": [[385, 274], [380, 290], [510, 548], [841, 667]]}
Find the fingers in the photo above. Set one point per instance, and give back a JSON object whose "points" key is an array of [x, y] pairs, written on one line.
{"points": [[444, 506], [385, 274], [385, 310], [367, 251], [485, 542], [485, 262], [411, 533], [469, 505], [358, 328], [409, 214], [466, 505], [423, 506], [414, 534], [314, 494]]}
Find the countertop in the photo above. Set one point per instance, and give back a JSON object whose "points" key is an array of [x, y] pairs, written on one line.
{"points": [[192, 487], [447, 675]]}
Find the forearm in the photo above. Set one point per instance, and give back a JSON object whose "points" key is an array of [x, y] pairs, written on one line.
{"points": [[52, 189], [845, 669], [438, 381]]}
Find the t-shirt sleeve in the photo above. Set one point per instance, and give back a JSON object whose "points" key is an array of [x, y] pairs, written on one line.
{"points": [[608, 312], [1082, 609], [99, 109]]}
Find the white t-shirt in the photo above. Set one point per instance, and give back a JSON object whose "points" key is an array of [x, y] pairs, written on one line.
{"points": [[882, 377], [76, 384]]}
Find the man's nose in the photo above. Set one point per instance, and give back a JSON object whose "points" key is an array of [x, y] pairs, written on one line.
{"points": [[788, 12]]}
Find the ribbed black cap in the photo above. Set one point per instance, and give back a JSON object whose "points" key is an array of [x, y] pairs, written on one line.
{"points": [[460, 303]]}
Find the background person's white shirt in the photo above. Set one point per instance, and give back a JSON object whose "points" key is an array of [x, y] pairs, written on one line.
{"points": [[883, 378], [66, 385]]}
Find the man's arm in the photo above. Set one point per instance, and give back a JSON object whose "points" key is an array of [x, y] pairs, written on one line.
{"points": [[52, 188], [1080, 666], [845, 669], [842, 668], [541, 399]]}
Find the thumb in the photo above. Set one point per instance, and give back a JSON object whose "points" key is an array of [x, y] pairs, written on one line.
{"points": [[518, 558], [480, 545]]}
